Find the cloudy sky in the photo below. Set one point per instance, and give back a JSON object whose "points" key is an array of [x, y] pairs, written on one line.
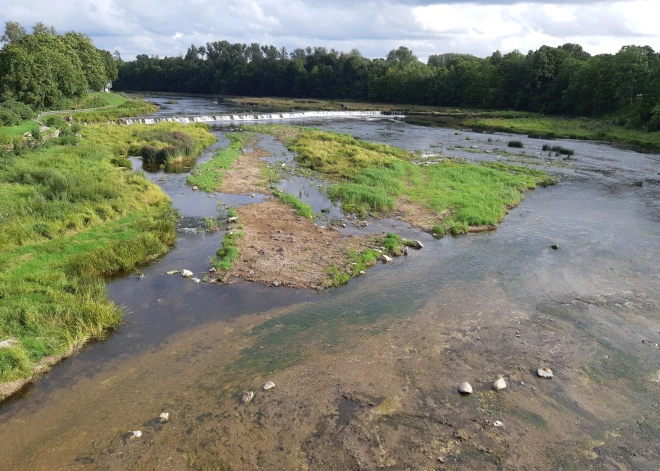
{"points": [[168, 27]]}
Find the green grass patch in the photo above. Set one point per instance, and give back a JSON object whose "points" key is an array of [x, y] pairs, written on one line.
{"points": [[68, 218], [226, 255], [8, 134], [303, 209], [100, 99], [364, 260], [337, 276], [373, 178], [209, 175], [128, 108]]}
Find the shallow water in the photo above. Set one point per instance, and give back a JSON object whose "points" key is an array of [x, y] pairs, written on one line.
{"points": [[493, 302]]}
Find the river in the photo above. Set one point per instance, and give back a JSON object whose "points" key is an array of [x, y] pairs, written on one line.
{"points": [[366, 374]]}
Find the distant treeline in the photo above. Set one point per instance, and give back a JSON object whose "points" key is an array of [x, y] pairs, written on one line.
{"points": [[551, 80], [44, 69]]}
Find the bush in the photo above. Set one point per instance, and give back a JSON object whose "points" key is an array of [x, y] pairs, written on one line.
{"points": [[121, 162], [23, 111], [149, 154], [8, 117], [558, 149], [517, 144], [58, 122]]}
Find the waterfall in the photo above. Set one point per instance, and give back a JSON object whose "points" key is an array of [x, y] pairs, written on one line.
{"points": [[268, 116]]}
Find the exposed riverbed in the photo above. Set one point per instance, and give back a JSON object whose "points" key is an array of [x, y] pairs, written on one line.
{"points": [[366, 375]]}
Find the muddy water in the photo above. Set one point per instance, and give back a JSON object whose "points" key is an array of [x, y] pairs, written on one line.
{"points": [[366, 374]]}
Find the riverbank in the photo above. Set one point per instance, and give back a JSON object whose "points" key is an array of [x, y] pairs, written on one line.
{"points": [[72, 214]]}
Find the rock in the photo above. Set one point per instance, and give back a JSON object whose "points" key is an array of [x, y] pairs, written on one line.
{"points": [[387, 259], [418, 244], [499, 384], [232, 219], [8, 343], [212, 270], [196, 280], [363, 272], [465, 388], [269, 385], [545, 373], [638, 184], [186, 273], [195, 188], [554, 246], [164, 417], [136, 433], [247, 396], [497, 423], [343, 225], [441, 459], [276, 283], [405, 251]]}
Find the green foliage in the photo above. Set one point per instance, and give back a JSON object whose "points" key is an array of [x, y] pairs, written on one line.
{"points": [[337, 276], [303, 209], [517, 144], [232, 213], [211, 224], [208, 176], [363, 260], [69, 217], [392, 244], [226, 255], [126, 109]]}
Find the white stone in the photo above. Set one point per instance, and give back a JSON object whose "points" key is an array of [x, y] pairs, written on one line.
{"points": [[387, 259], [363, 272], [173, 272], [136, 434], [497, 423], [164, 417], [418, 245], [247, 396], [186, 273], [545, 373], [499, 384], [196, 280], [8, 343], [269, 385], [195, 188], [465, 388], [232, 219]]}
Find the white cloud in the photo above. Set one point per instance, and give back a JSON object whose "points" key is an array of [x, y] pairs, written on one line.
{"points": [[168, 27]]}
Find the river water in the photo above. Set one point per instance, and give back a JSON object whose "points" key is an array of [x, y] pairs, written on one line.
{"points": [[468, 308]]}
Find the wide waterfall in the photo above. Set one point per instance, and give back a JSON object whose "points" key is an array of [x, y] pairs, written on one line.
{"points": [[265, 117]]}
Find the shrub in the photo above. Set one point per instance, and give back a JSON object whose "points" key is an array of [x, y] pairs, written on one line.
{"points": [[121, 162], [517, 144], [53, 121], [558, 149], [21, 109], [8, 117], [36, 135], [149, 154]]}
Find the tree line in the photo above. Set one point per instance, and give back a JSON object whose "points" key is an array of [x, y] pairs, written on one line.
{"points": [[551, 80], [43, 69]]}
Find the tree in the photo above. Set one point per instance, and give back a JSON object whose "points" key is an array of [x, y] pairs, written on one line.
{"points": [[92, 64], [14, 32], [42, 28], [110, 65], [401, 56]]}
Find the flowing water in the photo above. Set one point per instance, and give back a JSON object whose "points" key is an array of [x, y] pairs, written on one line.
{"points": [[466, 308]]}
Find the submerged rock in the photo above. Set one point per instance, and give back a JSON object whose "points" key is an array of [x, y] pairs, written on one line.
{"points": [[164, 417], [499, 384], [269, 385], [545, 373], [387, 259], [418, 245], [465, 388], [186, 273], [196, 280], [174, 272], [406, 251], [247, 396]]}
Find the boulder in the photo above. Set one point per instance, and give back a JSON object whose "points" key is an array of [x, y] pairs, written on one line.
{"points": [[186, 273], [465, 388]]}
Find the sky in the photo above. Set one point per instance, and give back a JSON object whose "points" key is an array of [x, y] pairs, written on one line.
{"points": [[479, 27]]}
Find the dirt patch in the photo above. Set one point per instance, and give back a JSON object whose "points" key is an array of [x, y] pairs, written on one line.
{"points": [[245, 175], [418, 215], [280, 247]]}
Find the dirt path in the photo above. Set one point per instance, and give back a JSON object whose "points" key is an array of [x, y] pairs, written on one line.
{"points": [[245, 174], [282, 248]]}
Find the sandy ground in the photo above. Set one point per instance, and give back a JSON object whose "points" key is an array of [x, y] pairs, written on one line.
{"points": [[280, 247], [245, 176]]}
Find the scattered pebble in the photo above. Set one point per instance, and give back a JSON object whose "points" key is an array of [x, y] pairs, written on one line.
{"points": [[164, 417], [186, 273], [247, 396], [499, 384], [136, 433], [269, 385], [497, 423], [545, 373], [465, 388]]}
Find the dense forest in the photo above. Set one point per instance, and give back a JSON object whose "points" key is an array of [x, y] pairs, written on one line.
{"points": [[553, 80], [44, 69]]}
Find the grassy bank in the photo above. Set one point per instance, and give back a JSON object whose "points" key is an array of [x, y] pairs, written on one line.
{"points": [[8, 134], [209, 175], [69, 216], [376, 178], [303, 209]]}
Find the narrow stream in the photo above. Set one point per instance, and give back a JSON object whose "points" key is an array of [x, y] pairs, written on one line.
{"points": [[492, 299]]}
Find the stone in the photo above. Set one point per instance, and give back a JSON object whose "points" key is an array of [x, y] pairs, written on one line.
{"points": [[387, 259], [405, 251], [418, 244], [276, 283], [441, 459], [269, 385], [212, 270], [136, 433], [499, 384], [164, 417], [465, 388], [554, 246], [545, 373], [232, 219], [186, 273], [8, 343], [497, 423], [195, 188], [196, 280], [247, 396], [363, 272]]}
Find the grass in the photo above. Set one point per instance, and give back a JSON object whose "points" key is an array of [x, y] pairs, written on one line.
{"points": [[69, 216], [128, 108], [303, 209], [564, 128], [226, 255], [516, 144], [377, 178], [209, 175], [100, 99], [10, 133]]}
